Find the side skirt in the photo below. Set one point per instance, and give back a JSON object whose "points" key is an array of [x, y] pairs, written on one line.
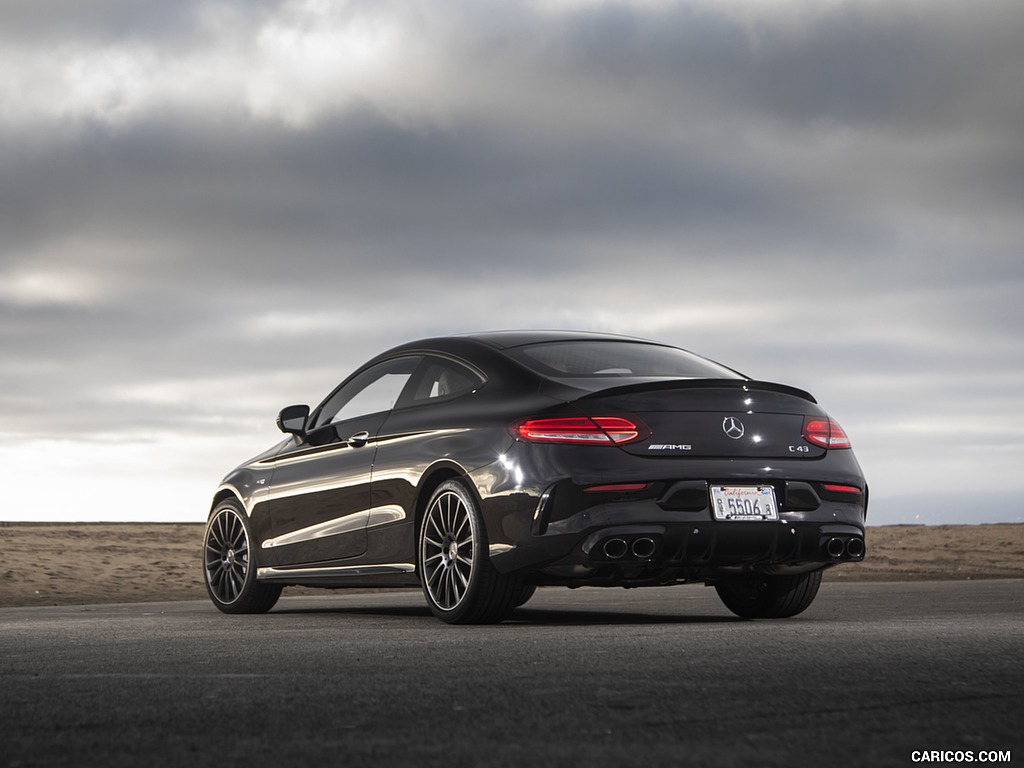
{"points": [[334, 572]]}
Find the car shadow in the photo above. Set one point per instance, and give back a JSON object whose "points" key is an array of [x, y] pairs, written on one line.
{"points": [[550, 617], [521, 616]]}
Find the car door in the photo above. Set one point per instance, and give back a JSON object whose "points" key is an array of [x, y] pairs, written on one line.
{"points": [[319, 499], [430, 422]]}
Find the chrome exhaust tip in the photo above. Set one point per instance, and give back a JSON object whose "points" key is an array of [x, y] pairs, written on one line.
{"points": [[855, 547], [643, 547], [615, 549], [835, 547]]}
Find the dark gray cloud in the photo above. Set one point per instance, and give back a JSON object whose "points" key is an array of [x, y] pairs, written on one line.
{"points": [[212, 209]]}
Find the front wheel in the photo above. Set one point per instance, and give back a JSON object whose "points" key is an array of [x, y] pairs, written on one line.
{"points": [[769, 597], [459, 582], [228, 566]]}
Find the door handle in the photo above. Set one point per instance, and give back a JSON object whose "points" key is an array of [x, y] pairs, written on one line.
{"points": [[359, 439]]}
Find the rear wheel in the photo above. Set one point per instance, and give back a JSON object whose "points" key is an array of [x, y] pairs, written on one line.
{"points": [[769, 597], [228, 566], [459, 582], [525, 593]]}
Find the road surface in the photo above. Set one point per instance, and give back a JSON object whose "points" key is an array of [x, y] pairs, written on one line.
{"points": [[870, 675]]}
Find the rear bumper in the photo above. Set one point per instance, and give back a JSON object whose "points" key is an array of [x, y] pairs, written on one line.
{"points": [[667, 533], [550, 514], [642, 551]]}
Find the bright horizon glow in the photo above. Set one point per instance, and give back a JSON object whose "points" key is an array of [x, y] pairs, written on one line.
{"points": [[173, 479]]}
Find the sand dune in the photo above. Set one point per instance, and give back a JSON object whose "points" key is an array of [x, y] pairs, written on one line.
{"points": [[78, 564]]}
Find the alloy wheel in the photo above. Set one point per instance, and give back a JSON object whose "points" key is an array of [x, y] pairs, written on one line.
{"points": [[447, 550], [227, 556]]}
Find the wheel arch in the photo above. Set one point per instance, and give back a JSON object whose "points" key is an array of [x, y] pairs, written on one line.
{"points": [[436, 474], [224, 493]]}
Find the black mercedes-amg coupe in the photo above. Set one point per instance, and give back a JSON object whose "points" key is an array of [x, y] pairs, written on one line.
{"points": [[480, 467]]}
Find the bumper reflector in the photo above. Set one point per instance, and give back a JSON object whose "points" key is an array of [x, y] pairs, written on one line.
{"points": [[615, 488], [841, 488]]}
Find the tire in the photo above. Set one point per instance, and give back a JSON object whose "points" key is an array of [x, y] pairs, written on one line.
{"points": [[527, 591], [459, 582], [229, 568], [769, 597]]}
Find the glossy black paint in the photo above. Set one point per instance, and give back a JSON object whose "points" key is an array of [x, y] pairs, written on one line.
{"points": [[340, 504]]}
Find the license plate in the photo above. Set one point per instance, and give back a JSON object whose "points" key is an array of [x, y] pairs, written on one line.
{"points": [[744, 502]]}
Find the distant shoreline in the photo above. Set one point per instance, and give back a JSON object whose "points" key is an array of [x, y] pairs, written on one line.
{"points": [[44, 563]]}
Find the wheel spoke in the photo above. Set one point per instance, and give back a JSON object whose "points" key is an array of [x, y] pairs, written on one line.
{"points": [[221, 584], [442, 588], [435, 513], [453, 586], [463, 579], [448, 513], [225, 527], [458, 531], [432, 577]]}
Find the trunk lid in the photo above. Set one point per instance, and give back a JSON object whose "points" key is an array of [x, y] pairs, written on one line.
{"points": [[712, 418]]}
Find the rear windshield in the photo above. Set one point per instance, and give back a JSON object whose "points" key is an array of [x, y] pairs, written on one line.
{"points": [[574, 359]]}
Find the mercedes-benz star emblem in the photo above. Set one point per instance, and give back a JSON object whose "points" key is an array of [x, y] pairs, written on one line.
{"points": [[733, 427]]}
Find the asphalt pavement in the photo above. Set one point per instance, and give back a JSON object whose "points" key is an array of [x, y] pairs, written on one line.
{"points": [[872, 674]]}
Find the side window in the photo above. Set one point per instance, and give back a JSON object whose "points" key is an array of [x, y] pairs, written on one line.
{"points": [[443, 379], [375, 389]]}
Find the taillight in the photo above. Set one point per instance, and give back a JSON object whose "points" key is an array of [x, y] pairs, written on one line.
{"points": [[586, 430], [825, 433]]}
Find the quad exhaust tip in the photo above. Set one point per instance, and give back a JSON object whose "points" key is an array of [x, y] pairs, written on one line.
{"points": [[838, 548], [643, 547], [615, 549]]}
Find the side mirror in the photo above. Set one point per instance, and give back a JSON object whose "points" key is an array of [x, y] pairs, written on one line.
{"points": [[292, 419]]}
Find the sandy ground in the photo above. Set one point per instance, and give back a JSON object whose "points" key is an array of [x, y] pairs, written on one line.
{"points": [[78, 564]]}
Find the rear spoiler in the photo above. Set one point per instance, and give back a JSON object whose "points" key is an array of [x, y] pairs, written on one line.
{"points": [[661, 384]]}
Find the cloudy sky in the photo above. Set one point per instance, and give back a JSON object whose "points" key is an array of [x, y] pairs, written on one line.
{"points": [[211, 209]]}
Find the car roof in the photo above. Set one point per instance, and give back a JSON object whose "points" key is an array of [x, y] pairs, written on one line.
{"points": [[510, 339], [494, 345]]}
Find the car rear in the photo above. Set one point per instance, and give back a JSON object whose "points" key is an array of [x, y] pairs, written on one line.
{"points": [[646, 478]]}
